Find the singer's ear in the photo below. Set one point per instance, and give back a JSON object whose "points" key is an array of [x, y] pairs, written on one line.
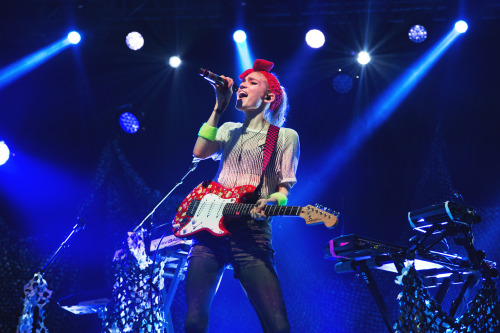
{"points": [[270, 97]]}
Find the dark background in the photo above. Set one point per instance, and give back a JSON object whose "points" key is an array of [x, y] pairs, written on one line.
{"points": [[60, 120]]}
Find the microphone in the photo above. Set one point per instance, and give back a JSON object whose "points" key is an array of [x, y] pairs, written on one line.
{"points": [[80, 224], [215, 79]]}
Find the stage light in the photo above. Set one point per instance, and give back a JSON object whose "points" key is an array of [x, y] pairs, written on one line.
{"points": [[4, 153], [315, 38], [376, 114], [174, 61], [74, 37], [417, 34], [134, 41], [342, 83], [129, 123], [461, 26], [22, 66], [239, 36], [129, 118], [244, 57], [364, 57]]}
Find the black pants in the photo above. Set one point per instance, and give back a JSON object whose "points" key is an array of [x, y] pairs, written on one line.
{"points": [[260, 283]]}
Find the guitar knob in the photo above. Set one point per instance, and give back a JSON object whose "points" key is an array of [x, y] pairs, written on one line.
{"points": [[176, 226]]}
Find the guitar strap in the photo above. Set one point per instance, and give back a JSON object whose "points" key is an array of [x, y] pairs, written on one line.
{"points": [[271, 139]]}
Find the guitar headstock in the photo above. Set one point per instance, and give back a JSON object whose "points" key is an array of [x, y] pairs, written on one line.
{"points": [[319, 214]]}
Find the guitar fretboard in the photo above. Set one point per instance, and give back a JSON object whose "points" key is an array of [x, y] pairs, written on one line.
{"points": [[239, 209]]}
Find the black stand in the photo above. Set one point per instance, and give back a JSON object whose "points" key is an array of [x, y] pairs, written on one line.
{"points": [[80, 224], [477, 266], [370, 282], [193, 166], [37, 294]]}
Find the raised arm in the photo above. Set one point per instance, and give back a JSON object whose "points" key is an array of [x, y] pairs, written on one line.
{"points": [[207, 146]]}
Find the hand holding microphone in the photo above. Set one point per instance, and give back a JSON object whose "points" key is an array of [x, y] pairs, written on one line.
{"points": [[224, 88], [216, 79]]}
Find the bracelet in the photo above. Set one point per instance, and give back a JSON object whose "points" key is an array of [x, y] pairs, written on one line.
{"points": [[282, 199], [208, 132]]}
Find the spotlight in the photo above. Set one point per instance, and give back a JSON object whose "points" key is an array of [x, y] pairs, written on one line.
{"points": [[174, 61], [315, 38], [4, 153], [74, 37], [128, 120], [417, 34], [129, 123], [342, 83], [461, 27], [239, 36], [364, 57], [134, 41]]}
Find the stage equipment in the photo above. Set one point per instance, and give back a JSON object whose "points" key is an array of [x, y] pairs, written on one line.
{"points": [[417, 34], [129, 118], [174, 61], [342, 83], [134, 41], [74, 37], [4, 153], [363, 58], [359, 254], [36, 291], [86, 302], [461, 26], [443, 217], [239, 36], [315, 38], [144, 286], [132, 269], [192, 167], [129, 123]]}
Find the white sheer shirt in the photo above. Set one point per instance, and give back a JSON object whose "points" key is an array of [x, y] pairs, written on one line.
{"points": [[241, 158]]}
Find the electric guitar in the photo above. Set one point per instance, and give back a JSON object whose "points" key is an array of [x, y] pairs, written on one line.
{"points": [[210, 205]]}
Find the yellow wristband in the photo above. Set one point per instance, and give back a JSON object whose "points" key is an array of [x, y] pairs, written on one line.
{"points": [[208, 132], [282, 199]]}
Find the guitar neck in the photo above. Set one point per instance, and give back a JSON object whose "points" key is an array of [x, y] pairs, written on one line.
{"points": [[239, 209]]}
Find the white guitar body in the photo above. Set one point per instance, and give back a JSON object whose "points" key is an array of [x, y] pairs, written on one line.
{"points": [[208, 216]]}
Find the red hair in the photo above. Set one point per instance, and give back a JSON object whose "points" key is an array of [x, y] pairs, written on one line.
{"points": [[263, 66]]}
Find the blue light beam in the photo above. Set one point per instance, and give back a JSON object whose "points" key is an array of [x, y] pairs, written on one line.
{"points": [[17, 69], [244, 55], [377, 114]]}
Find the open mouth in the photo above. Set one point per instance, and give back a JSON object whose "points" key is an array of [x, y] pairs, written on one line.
{"points": [[242, 94]]}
